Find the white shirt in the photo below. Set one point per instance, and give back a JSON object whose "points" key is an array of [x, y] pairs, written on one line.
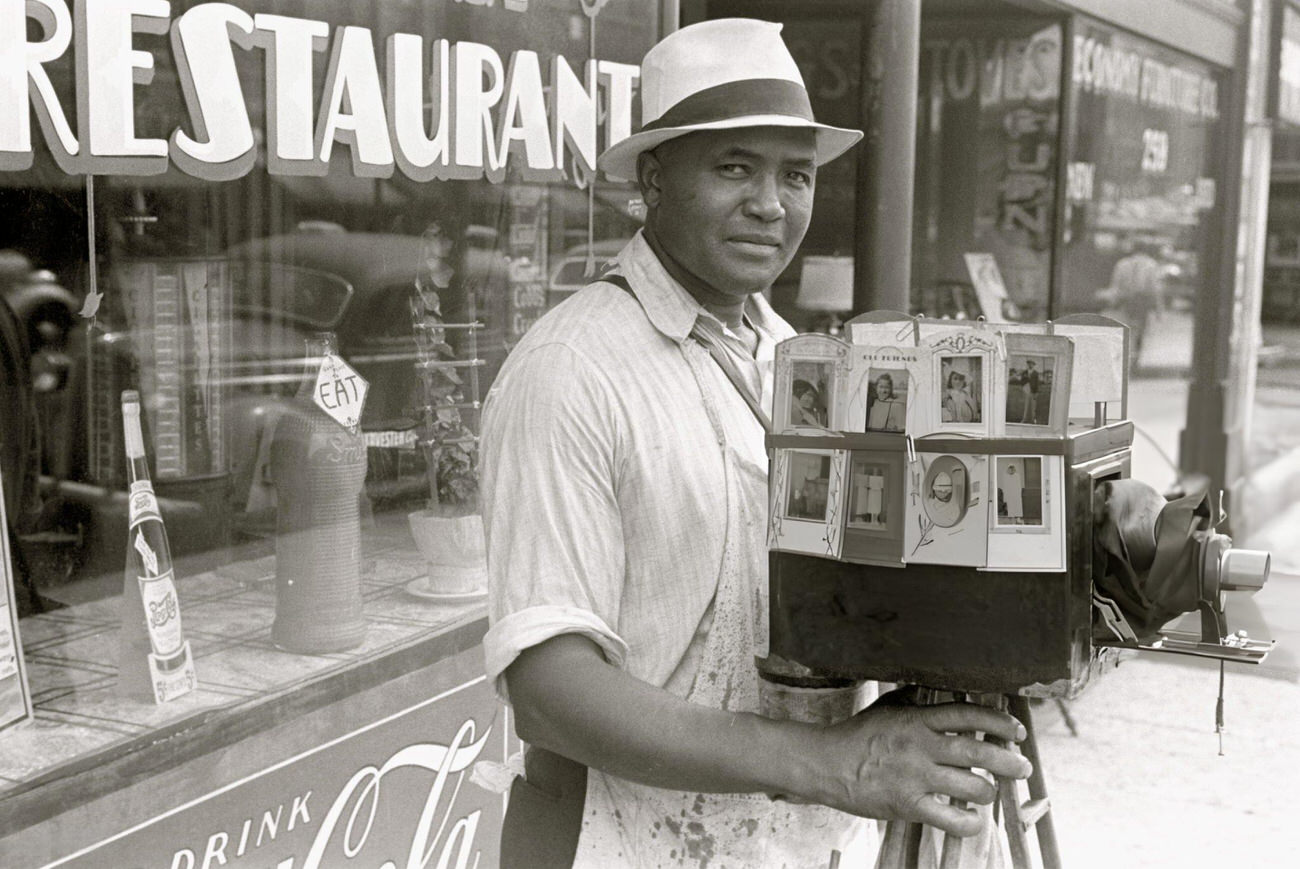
{"points": [[603, 478]]}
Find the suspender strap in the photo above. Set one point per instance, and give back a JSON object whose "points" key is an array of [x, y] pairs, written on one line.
{"points": [[725, 362]]}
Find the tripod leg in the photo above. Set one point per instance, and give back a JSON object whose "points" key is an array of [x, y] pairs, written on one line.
{"points": [[1047, 846]]}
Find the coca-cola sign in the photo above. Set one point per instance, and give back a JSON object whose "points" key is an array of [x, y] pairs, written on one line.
{"points": [[395, 794]]}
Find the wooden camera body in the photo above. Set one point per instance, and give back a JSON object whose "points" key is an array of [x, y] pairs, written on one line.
{"points": [[951, 627]]}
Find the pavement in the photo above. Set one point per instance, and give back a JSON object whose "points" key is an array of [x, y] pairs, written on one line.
{"points": [[1142, 783]]}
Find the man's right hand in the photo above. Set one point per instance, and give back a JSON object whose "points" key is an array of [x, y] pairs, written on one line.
{"points": [[892, 761]]}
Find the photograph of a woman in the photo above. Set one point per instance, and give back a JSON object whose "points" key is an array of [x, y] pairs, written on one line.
{"points": [[963, 380], [887, 400], [1020, 491], [809, 405]]}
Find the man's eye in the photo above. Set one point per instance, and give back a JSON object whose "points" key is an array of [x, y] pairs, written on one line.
{"points": [[733, 170], [802, 179]]}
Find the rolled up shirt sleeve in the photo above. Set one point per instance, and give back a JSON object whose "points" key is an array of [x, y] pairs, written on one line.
{"points": [[556, 555]]}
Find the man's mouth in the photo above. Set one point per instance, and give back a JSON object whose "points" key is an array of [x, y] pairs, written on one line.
{"points": [[757, 243]]}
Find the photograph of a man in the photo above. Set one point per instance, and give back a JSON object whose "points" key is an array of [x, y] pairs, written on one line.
{"points": [[625, 503], [1029, 389]]}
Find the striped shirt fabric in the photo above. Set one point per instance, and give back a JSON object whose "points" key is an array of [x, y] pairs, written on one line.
{"points": [[604, 498]]}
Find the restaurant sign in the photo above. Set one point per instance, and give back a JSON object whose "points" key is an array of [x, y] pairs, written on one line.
{"points": [[427, 108], [400, 792]]}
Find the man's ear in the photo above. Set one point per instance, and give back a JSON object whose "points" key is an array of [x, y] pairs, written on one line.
{"points": [[648, 175]]}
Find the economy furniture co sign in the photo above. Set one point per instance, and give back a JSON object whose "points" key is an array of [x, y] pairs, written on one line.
{"points": [[430, 109]]}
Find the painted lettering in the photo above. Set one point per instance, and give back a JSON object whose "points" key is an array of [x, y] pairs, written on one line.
{"points": [[573, 115], [362, 793], [107, 71], [299, 810], [479, 83], [289, 44], [420, 155], [523, 120], [270, 825], [223, 146], [216, 849], [352, 79], [469, 116], [22, 66]]}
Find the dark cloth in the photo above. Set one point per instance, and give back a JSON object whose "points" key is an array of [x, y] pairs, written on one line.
{"points": [[544, 815], [1150, 598]]}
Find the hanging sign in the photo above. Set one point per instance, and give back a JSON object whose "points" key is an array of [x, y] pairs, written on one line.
{"points": [[340, 391]]}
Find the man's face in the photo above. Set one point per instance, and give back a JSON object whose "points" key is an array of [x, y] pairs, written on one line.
{"points": [[731, 206]]}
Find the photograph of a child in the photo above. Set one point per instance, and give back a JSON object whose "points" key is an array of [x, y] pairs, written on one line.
{"points": [[870, 499], [1020, 491], [1029, 389], [810, 476], [887, 399], [809, 404], [961, 385], [943, 494]]}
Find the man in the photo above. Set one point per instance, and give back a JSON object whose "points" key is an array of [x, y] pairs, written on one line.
{"points": [[625, 500], [1137, 288], [1030, 383]]}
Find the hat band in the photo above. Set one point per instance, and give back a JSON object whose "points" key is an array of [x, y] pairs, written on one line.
{"points": [[737, 99]]}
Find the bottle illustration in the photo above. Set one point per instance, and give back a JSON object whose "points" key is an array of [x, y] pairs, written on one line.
{"points": [[319, 467], [154, 659]]}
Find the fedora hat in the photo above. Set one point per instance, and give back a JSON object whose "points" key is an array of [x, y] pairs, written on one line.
{"points": [[721, 75]]}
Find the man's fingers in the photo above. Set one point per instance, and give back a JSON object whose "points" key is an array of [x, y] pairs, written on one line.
{"points": [[959, 822], [962, 785], [969, 718], [969, 753]]}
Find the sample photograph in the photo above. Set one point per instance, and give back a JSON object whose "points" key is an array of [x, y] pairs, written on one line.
{"points": [[943, 493], [887, 399], [1029, 389], [809, 483], [961, 381], [1020, 491], [869, 496], [810, 393]]}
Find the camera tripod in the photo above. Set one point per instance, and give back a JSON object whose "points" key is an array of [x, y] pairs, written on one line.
{"points": [[901, 846]]}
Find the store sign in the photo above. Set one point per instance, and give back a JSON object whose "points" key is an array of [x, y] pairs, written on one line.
{"points": [[395, 793], [430, 109], [1101, 67], [1286, 83]]}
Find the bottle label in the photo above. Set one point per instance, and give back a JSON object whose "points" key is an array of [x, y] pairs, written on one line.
{"points": [[162, 613], [172, 676], [142, 504]]}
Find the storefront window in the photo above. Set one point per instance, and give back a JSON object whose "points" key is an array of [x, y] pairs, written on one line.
{"points": [[405, 184], [1142, 191], [986, 161]]}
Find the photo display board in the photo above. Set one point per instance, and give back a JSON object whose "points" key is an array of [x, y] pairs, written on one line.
{"points": [[924, 442]]}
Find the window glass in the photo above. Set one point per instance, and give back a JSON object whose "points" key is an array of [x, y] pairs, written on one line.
{"points": [[288, 184], [987, 122]]}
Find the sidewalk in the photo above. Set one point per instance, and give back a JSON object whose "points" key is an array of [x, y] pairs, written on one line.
{"points": [[1143, 784]]}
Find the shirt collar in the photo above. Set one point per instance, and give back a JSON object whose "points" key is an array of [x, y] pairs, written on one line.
{"points": [[671, 309]]}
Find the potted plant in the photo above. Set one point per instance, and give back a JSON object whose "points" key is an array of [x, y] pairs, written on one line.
{"points": [[449, 530]]}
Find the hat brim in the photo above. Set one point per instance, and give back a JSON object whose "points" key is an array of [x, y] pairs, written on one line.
{"points": [[619, 160]]}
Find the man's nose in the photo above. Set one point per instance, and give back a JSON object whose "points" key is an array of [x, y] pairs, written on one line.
{"points": [[764, 200]]}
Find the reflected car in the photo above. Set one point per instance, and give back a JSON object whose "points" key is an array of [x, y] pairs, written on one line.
{"points": [[571, 273]]}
